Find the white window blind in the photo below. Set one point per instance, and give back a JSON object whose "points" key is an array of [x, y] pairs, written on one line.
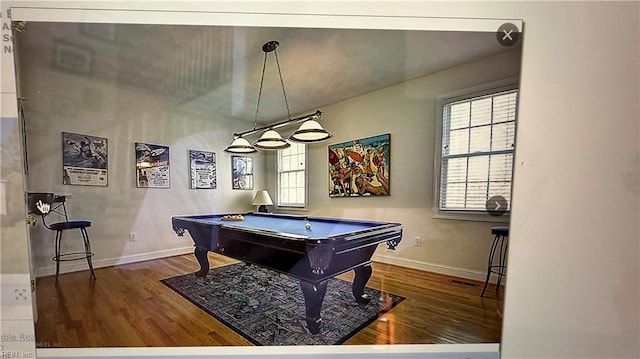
{"points": [[291, 176], [477, 150]]}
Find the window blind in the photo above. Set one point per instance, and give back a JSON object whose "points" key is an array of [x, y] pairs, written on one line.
{"points": [[477, 150]]}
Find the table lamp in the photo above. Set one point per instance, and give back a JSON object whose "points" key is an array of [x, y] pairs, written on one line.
{"points": [[262, 200]]}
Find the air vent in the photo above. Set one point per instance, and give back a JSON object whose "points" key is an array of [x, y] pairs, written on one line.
{"points": [[457, 281]]}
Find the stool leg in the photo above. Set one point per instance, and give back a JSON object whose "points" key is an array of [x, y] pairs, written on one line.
{"points": [[57, 254], [87, 250], [503, 255], [499, 272], [491, 254]]}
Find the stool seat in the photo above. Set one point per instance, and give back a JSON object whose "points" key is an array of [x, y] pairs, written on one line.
{"points": [[500, 231], [60, 226]]}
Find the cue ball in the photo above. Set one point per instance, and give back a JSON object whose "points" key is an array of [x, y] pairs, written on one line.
{"points": [[307, 226]]}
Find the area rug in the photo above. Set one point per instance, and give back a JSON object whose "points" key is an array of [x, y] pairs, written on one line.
{"points": [[267, 307]]}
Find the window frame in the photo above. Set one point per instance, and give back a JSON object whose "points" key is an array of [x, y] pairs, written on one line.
{"points": [[461, 95], [303, 207]]}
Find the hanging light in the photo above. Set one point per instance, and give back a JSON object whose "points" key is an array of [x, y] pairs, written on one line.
{"points": [[309, 131], [271, 140], [240, 145]]}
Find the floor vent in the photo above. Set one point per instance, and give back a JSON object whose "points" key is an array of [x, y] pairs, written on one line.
{"points": [[457, 281]]}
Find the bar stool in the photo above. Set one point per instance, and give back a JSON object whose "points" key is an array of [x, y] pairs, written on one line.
{"points": [[500, 239], [43, 204]]}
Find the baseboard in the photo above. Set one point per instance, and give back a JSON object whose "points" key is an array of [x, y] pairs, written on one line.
{"points": [[81, 265], [436, 268]]}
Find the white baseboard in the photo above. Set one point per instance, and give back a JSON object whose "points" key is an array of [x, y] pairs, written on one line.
{"points": [[80, 265], [436, 268]]}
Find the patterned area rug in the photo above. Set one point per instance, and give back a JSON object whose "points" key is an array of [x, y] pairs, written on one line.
{"points": [[267, 307]]}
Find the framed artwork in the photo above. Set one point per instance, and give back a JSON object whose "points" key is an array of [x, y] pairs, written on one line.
{"points": [[242, 172], [360, 167], [72, 58], [152, 166], [84, 160], [202, 169], [98, 31]]}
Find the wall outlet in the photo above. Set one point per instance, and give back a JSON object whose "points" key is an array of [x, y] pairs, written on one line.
{"points": [[418, 241], [132, 237]]}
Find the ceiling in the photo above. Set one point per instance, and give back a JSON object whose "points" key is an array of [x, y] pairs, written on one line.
{"points": [[217, 69]]}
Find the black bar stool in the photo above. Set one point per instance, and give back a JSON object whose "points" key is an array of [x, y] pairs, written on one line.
{"points": [[500, 239], [43, 204]]}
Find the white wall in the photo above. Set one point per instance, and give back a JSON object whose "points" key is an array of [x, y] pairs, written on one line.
{"points": [[123, 117], [574, 271], [409, 113]]}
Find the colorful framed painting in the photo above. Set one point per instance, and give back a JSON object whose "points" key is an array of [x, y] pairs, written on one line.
{"points": [[202, 169], [242, 172], [84, 160], [360, 167], [152, 166]]}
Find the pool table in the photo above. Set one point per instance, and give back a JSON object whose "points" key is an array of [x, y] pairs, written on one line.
{"points": [[311, 249]]}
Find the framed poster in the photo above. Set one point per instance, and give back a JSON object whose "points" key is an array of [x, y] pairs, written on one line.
{"points": [[242, 172], [360, 167], [152, 166], [84, 160], [202, 169]]}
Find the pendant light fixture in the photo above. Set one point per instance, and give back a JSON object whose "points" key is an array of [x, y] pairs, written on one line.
{"points": [[310, 131], [240, 145]]}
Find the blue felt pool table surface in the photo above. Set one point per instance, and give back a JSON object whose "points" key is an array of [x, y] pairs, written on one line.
{"points": [[320, 227]]}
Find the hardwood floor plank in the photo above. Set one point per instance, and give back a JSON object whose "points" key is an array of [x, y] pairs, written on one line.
{"points": [[128, 306]]}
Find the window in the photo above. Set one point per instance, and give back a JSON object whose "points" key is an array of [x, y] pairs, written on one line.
{"points": [[292, 176], [477, 150]]}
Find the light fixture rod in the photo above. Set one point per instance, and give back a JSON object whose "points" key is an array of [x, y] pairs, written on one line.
{"points": [[314, 115]]}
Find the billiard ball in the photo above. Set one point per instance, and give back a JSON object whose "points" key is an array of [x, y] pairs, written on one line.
{"points": [[307, 226]]}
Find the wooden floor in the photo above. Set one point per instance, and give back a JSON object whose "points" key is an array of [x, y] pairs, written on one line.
{"points": [[128, 306]]}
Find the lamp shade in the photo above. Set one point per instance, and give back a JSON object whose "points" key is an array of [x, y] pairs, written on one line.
{"points": [[271, 140], [262, 200], [240, 145], [310, 131]]}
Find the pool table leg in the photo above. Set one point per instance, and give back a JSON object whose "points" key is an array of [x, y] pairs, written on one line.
{"points": [[313, 298], [362, 275], [201, 256]]}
